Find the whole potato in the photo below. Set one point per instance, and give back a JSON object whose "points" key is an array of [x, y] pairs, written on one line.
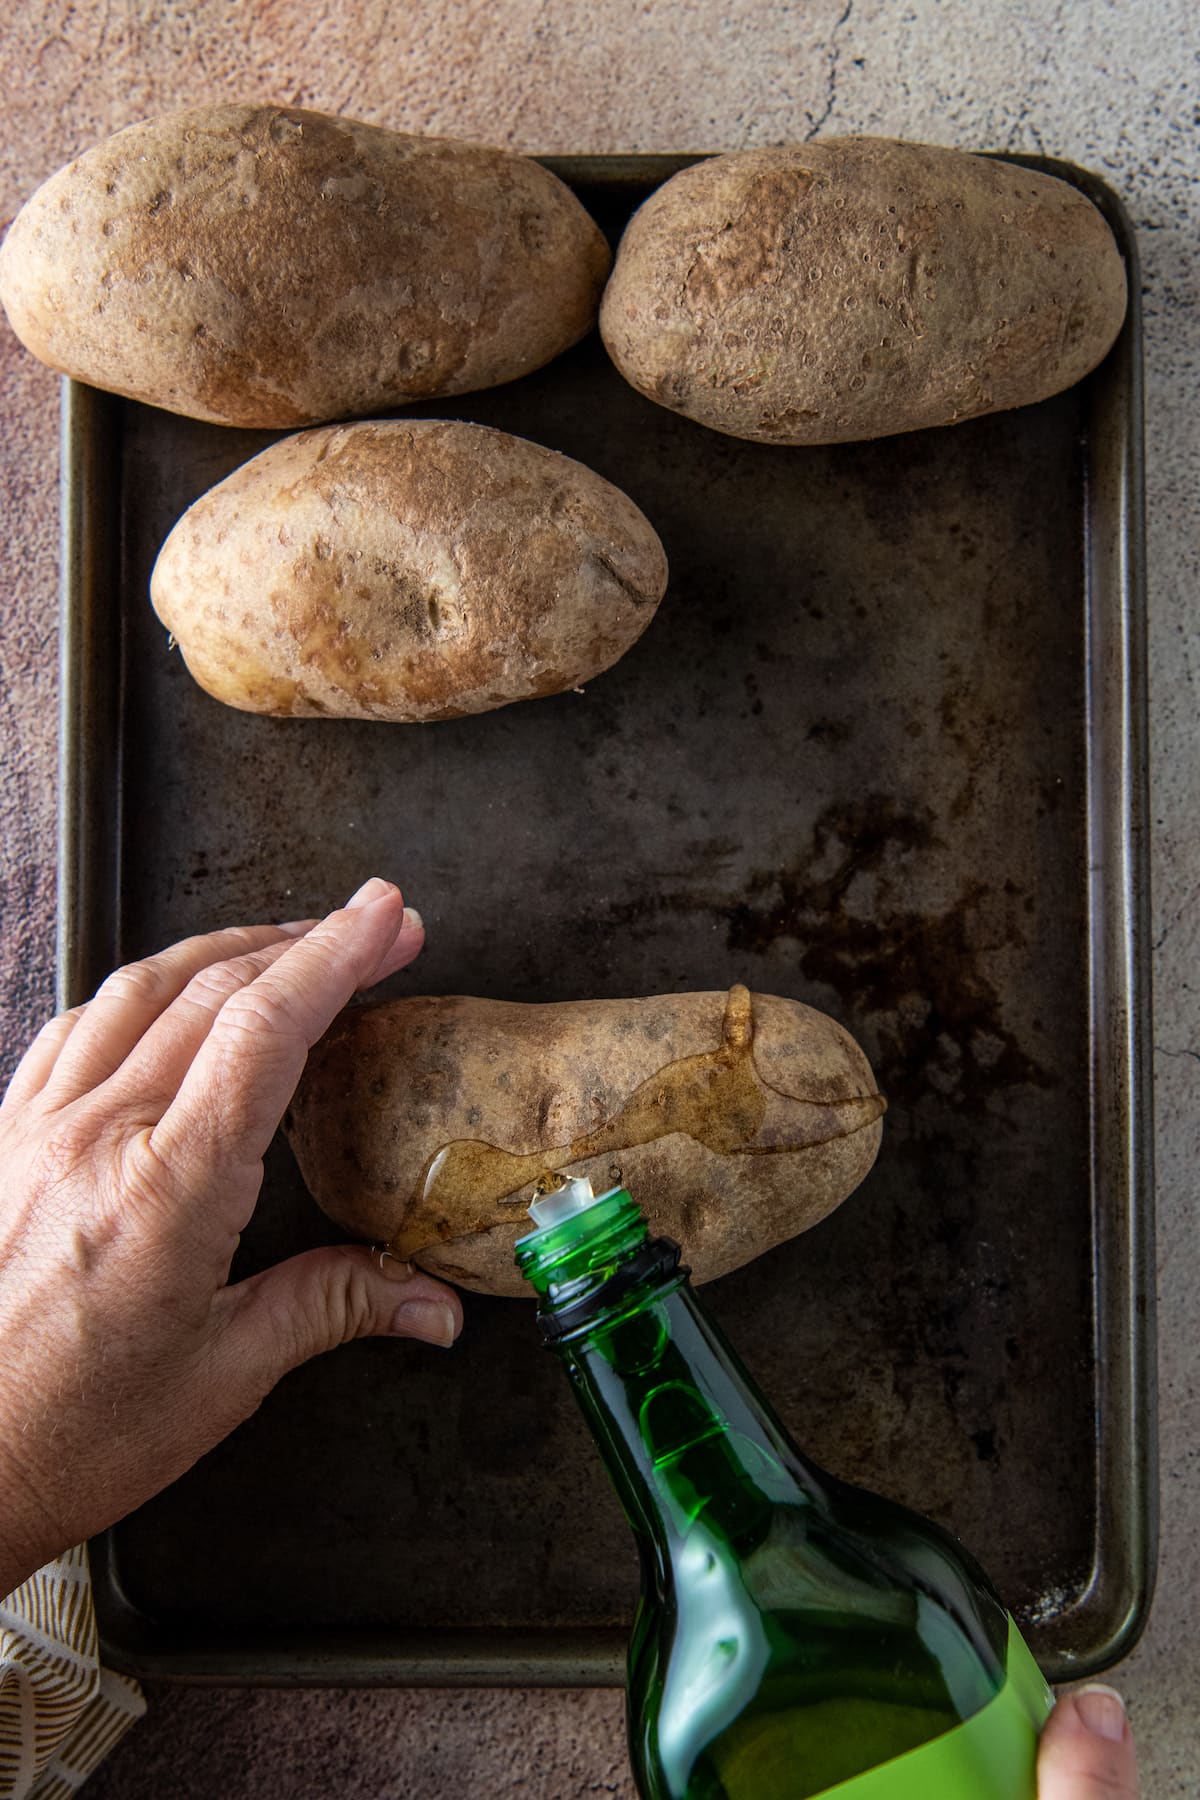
{"points": [[736, 1120], [266, 266], [859, 287], [406, 570]]}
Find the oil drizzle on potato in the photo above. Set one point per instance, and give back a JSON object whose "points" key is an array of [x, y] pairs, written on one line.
{"points": [[717, 1097]]}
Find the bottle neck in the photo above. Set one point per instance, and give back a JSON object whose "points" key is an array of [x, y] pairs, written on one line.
{"points": [[686, 1434]]}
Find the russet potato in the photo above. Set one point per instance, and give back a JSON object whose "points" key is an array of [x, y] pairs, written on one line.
{"points": [[405, 570], [857, 287], [735, 1119], [269, 266]]}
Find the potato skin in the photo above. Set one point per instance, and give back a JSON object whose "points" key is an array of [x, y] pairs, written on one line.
{"points": [[405, 569], [564, 1086], [268, 266], [858, 287]]}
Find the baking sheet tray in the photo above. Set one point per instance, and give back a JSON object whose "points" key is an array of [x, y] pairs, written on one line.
{"points": [[883, 749]]}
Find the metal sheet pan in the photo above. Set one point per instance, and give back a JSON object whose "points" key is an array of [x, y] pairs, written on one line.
{"points": [[884, 748]]}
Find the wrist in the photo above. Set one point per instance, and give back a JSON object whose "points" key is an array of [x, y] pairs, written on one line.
{"points": [[27, 1534], [15, 1565]]}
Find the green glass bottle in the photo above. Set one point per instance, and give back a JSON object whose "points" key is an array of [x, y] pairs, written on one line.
{"points": [[795, 1636]]}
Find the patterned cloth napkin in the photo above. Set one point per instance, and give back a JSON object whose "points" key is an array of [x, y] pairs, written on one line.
{"points": [[60, 1712]]}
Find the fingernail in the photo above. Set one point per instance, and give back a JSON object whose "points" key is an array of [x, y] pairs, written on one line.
{"points": [[297, 927], [374, 889], [412, 920], [1102, 1711], [430, 1320]]}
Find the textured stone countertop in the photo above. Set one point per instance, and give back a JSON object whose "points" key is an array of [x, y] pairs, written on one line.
{"points": [[1116, 87]]}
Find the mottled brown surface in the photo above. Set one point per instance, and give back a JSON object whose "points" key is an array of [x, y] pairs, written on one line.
{"points": [[269, 266], [406, 570], [741, 1119], [857, 288], [1112, 89]]}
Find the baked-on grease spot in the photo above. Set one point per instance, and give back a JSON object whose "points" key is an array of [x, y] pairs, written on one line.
{"points": [[939, 1018], [832, 732], [986, 1448]]}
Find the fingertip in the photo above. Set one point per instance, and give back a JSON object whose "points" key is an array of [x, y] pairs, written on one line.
{"points": [[372, 890], [415, 1283], [405, 947], [1103, 1712], [1087, 1747]]}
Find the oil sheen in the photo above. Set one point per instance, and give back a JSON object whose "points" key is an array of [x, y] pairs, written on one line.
{"points": [[717, 1097]]}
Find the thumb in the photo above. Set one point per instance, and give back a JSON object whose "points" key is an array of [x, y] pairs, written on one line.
{"points": [[1087, 1751], [322, 1298]]}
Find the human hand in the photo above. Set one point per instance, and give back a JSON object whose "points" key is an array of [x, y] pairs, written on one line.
{"points": [[1086, 1751], [131, 1145]]}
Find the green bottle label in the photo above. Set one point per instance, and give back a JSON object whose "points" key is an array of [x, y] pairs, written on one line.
{"points": [[992, 1756]]}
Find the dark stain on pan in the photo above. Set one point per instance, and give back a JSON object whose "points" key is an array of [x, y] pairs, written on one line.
{"points": [[941, 1016], [918, 976]]}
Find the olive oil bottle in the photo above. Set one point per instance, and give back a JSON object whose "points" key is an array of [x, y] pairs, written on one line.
{"points": [[795, 1636]]}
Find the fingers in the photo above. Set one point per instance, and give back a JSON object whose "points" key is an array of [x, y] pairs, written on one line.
{"points": [[154, 1071], [327, 1297], [126, 1005], [1087, 1750], [151, 1074], [33, 1070], [234, 1094]]}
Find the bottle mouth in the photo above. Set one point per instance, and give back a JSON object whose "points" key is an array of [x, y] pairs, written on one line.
{"points": [[576, 1195], [580, 1238], [589, 1251]]}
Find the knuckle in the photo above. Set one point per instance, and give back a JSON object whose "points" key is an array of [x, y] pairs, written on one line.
{"points": [[254, 963], [142, 1167], [261, 1012], [323, 955], [138, 982], [217, 982], [337, 1309], [347, 1307], [63, 1022], [211, 987]]}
